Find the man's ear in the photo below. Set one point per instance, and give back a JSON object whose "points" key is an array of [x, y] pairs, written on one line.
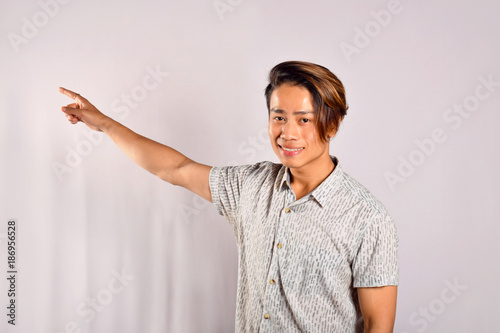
{"points": [[331, 133]]}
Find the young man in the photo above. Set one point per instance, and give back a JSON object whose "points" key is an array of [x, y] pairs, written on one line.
{"points": [[317, 252]]}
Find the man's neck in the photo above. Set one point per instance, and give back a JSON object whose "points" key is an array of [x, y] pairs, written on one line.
{"points": [[305, 180]]}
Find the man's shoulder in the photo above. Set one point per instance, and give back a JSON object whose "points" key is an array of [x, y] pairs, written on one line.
{"points": [[359, 194], [261, 170]]}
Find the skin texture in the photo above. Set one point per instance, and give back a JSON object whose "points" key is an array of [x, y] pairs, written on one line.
{"points": [[291, 125], [378, 307]]}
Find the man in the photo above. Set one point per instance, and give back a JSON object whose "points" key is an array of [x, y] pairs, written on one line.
{"points": [[317, 252]]}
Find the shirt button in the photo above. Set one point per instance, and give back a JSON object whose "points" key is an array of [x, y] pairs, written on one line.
{"points": [[279, 245], [266, 316], [287, 210], [272, 281]]}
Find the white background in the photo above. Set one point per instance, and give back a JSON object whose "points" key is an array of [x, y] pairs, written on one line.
{"points": [[86, 213]]}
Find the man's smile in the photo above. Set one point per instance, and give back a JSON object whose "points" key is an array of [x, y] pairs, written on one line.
{"points": [[290, 151]]}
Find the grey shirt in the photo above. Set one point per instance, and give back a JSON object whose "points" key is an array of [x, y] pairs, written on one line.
{"points": [[300, 261]]}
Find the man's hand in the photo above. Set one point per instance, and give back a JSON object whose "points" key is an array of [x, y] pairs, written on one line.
{"points": [[378, 307], [82, 110]]}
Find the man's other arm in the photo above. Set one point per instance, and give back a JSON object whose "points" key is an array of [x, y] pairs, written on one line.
{"points": [[378, 307]]}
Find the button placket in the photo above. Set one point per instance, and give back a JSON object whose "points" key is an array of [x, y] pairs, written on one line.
{"points": [[272, 293], [287, 211], [272, 296]]}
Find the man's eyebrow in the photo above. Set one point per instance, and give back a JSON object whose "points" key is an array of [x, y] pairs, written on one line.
{"points": [[275, 110]]}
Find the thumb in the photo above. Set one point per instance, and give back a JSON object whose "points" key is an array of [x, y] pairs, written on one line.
{"points": [[71, 111]]}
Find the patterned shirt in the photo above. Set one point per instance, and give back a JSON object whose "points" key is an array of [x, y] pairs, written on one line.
{"points": [[300, 261]]}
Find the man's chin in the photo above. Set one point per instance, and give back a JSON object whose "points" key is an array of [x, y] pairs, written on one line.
{"points": [[289, 164]]}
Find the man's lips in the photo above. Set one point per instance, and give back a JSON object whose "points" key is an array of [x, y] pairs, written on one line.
{"points": [[290, 151]]}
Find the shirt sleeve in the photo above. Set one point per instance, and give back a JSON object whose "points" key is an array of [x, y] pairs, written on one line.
{"points": [[226, 184], [376, 263]]}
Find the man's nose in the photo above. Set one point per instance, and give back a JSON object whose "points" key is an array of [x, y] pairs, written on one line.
{"points": [[289, 131]]}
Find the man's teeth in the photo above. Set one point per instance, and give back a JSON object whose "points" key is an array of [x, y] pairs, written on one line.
{"points": [[289, 149]]}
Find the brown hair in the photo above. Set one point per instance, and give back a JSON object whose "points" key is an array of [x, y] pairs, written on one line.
{"points": [[328, 93]]}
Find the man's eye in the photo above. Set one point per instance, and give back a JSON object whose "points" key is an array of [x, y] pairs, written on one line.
{"points": [[305, 120], [279, 118]]}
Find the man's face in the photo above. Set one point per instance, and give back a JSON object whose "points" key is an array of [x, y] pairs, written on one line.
{"points": [[292, 129]]}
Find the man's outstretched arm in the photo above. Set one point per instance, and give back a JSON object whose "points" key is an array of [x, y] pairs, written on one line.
{"points": [[162, 161]]}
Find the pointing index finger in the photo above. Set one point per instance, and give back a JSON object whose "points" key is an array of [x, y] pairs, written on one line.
{"points": [[69, 93]]}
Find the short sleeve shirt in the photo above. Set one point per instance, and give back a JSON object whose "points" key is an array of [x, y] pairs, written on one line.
{"points": [[300, 261]]}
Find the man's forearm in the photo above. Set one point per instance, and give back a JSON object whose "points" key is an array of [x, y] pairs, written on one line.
{"points": [[155, 157]]}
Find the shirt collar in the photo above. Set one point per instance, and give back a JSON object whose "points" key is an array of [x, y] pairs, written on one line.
{"points": [[322, 193], [283, 179]]}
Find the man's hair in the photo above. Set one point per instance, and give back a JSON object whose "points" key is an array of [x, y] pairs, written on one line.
{"points": [[327, 91]]}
